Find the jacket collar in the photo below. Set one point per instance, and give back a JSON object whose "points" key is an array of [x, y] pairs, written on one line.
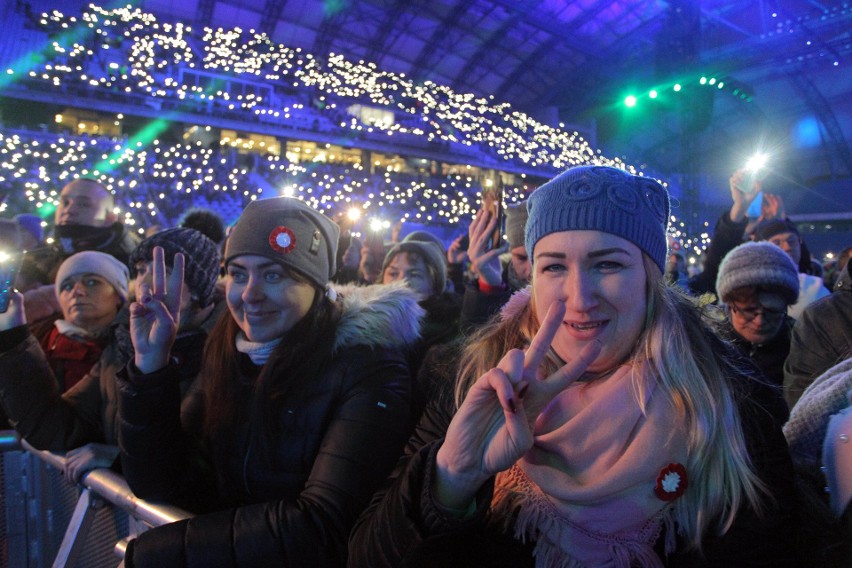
{"points": [[377, 316]]}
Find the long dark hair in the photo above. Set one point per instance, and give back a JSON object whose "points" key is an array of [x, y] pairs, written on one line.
{"points": [[297, 360]]}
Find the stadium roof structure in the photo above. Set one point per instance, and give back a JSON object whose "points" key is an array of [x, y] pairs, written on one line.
{"points": [[780, 68], [684, 87]]}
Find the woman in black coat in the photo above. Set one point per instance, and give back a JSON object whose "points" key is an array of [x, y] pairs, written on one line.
{"points": [[302, 408]]}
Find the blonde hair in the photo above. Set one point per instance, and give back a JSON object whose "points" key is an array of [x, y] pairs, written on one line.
{"points": [[688, 360]]}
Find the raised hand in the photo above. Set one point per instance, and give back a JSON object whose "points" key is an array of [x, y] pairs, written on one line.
{"points": [[485, 262], [455, 253], [744, 189], [155, 317], [773, 207], [14, 314], [493, 427]]}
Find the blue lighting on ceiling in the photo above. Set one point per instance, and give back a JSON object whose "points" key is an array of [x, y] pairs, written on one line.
{"points": [[806, 133]]}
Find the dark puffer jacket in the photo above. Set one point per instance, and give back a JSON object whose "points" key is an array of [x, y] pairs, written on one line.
{"points": [[822, 337], [337, 439]]}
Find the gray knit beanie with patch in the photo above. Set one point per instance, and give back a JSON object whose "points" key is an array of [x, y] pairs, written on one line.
{"points": [[290, 232]]}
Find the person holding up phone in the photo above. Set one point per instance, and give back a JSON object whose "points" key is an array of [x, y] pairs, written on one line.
{"points": [[729, 230], [495, 281]]}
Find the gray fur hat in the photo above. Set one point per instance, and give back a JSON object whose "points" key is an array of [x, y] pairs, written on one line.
{"points": [[806, 429], [290, 232], [758, 264]]}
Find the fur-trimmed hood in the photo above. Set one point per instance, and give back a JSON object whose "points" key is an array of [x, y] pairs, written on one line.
{"points": [[380, 315]]}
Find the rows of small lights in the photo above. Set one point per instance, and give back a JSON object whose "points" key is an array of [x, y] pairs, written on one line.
{"points": [[690, 246], [154, 185], [144, 54]]}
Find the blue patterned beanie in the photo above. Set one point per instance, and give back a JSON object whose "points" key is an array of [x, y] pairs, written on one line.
{"points": [[601, 198]]}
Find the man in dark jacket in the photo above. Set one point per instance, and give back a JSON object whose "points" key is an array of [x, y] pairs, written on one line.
{"points": [[84, 220]]}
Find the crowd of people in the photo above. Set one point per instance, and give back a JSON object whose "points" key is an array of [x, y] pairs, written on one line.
{"points": [[551, 398]]}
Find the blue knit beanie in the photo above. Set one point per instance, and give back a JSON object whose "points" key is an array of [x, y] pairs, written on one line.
{"points": [[601, 198]]}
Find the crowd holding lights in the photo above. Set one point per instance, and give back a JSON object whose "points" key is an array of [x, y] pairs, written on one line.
{"points": [[129, 50], [154, 185]]}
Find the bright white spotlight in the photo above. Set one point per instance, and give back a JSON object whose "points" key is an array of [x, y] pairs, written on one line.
{"points": [[354, 214], [756, 162]]}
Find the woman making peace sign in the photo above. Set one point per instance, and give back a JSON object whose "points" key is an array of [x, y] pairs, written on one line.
{"points": [[599, 421], [302, 409]]}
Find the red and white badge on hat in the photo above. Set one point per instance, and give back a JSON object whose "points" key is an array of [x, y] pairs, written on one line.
{"points": [[282, 239]]}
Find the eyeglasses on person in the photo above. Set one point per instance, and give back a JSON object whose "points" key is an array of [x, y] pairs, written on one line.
{"points": [[752, 312]]}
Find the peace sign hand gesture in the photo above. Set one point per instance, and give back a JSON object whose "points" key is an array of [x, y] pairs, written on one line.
{"points": [[155, 318], [493, 427]]}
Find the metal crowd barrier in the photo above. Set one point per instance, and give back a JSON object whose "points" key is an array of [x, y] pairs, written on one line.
{"points": [[49, 522]]}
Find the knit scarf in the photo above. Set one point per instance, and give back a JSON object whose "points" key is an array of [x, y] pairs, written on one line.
{"points": [[259, 353], [585, 491]]}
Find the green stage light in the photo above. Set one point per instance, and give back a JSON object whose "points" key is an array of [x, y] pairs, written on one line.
{"points": [[653, 94], [721, 85], [712, 80], [703, 80], [677, 88], [630, 101]]}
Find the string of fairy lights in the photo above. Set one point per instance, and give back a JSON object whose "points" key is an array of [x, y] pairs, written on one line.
{"points": [[127, 50]]}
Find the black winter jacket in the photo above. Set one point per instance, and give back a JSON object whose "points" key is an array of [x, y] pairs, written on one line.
{"points": [[337, 439]]}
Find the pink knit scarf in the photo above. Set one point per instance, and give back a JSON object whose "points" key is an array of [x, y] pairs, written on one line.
{"points": [[585, 491]]}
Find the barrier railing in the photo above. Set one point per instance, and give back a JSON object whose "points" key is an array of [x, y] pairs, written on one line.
{"points": [[100, 513]]}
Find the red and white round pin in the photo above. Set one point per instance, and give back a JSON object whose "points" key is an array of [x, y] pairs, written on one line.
{"points": [[282, 239]]}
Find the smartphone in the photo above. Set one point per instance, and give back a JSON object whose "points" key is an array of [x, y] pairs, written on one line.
{"points": [[493, 199], [754, 210], [9, 264]]}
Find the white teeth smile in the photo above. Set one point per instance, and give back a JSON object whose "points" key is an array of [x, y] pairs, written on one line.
{"points": [[585, 326]]}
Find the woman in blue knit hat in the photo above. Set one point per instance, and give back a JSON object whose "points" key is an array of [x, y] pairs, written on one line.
{"points": [[599, 422], [301, 411]]}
